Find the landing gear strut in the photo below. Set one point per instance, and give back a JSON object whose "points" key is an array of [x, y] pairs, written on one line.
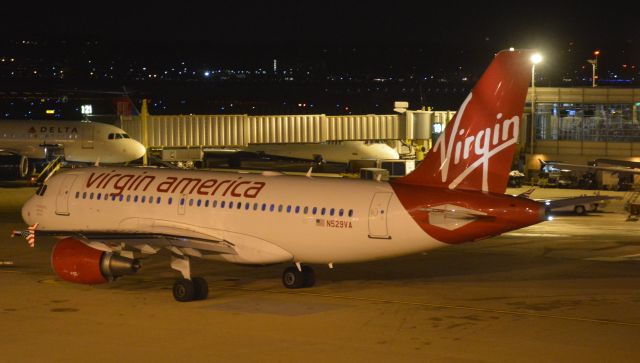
{"points": [[293, 278], [187, 288]]}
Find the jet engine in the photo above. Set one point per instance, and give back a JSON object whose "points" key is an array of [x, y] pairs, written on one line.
{"points": [[13, 166], [76, 262]]}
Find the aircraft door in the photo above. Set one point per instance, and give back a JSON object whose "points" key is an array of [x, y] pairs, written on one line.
{"points": [[378, 216], [86, 136], [182, 202], [62, 198]]}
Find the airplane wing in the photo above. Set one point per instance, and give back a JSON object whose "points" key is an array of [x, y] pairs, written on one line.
{"points": [[585, 200], [149, 236], [147, 243], [611, 169]]}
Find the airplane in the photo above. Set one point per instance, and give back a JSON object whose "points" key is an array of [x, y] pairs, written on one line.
{"points": [[335, 152], [324, 152], [109, 216], [632, 167], [579, 205], [22, 142], [625, 169]]}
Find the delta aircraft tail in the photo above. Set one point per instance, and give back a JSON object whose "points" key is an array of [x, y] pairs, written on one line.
{"points": [[475, 150]]}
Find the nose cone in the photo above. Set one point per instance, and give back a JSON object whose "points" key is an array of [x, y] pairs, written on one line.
{"points": [[136, 150]]}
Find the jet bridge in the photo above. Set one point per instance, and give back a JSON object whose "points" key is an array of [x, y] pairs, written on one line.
{"points": [[216, 131]]}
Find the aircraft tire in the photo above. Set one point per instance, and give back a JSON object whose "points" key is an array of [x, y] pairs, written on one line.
{"points": [[292, 278], [309, 276], [183, 290], [579, 210], [201, 288]]}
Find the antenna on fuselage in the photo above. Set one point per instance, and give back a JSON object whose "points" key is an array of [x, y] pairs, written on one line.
{"points": [[309, 172], [97, 162]]}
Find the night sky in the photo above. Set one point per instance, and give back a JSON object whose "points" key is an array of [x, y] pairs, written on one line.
{"points": [[541, 24]]}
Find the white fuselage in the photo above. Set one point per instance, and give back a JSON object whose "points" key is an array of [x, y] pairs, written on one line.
{"points": [[81, 141], [337, 152], [280, 218]]}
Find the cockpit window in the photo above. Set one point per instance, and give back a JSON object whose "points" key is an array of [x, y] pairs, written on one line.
{"points": [[113, 136], [41, 190]]}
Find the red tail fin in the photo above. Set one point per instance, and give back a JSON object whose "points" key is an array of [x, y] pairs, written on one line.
{"points": [[475, 151]]}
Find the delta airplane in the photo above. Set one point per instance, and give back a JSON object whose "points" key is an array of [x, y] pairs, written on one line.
{"points": [[22, 141], [110, 216]]}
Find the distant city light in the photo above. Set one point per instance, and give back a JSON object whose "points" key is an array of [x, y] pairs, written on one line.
{"points": [[207, 73]]}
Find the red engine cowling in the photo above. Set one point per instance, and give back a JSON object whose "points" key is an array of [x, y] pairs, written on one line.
{"points": [[74, 261]]}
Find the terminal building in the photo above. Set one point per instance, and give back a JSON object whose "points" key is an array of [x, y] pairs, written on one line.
{"points": [[579, 125]]}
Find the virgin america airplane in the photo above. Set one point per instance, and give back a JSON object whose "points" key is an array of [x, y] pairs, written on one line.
{"points": [[110, 216]]}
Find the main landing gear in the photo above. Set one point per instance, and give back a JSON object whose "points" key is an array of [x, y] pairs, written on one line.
{"points": [[296, 277], [188, 288]]}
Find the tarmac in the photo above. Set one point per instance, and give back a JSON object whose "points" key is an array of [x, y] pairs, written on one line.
{"points": [[560, 291]]}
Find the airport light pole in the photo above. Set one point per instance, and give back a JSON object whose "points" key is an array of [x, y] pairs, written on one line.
{"points": [[535, 59], [594, 66]]}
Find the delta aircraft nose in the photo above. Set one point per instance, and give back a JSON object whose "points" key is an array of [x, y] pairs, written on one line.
{"points": [[27, 212], [136, 150]]}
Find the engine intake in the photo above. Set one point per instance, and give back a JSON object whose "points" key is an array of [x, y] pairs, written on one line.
{"points": [[76, 262], [13, 167]]}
